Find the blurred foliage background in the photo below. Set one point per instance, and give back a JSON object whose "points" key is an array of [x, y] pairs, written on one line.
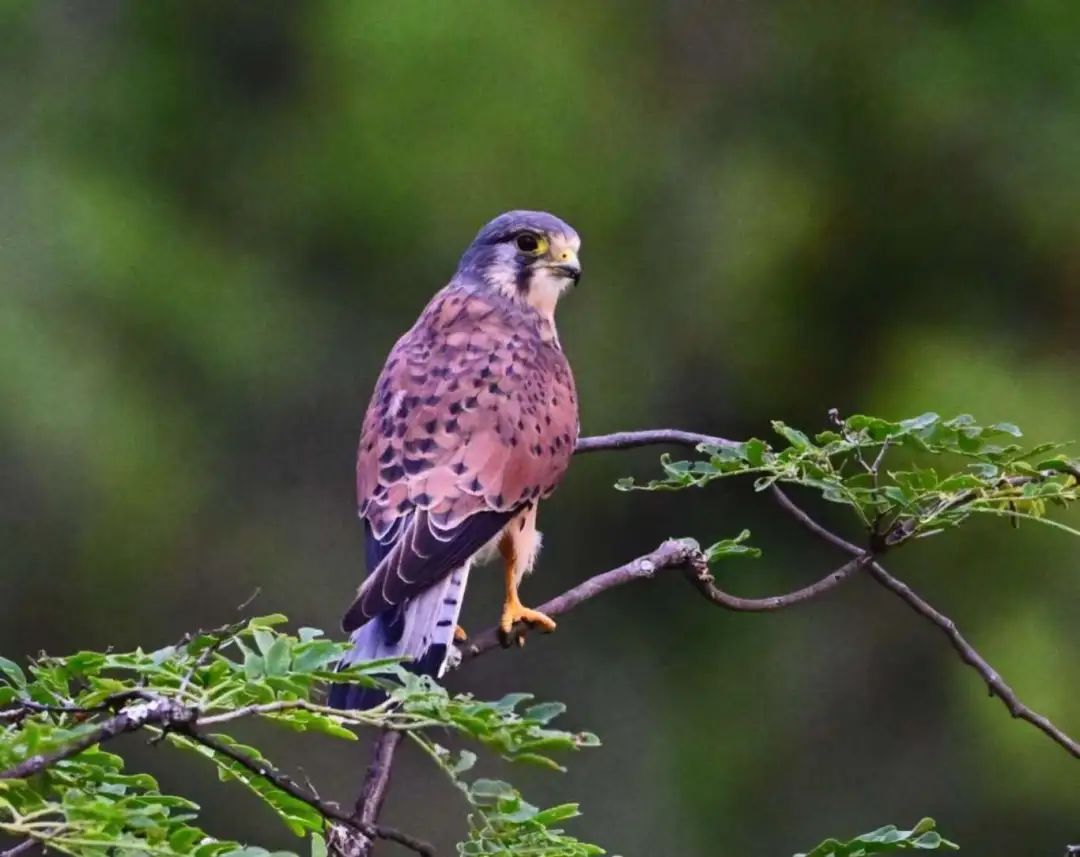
{"points": [[215, 219]]}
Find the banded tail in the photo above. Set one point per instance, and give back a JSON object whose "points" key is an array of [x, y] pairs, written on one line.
{"points": [[421, 629]]}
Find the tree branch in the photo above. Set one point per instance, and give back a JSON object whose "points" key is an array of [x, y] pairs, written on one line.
{"points": [[156, 710], [20, 850], [674, 553], [968, 654], [972, 658], [686, 554], [648, 437], [355, 832], [372, 795], [169, 715], [326, 809]]}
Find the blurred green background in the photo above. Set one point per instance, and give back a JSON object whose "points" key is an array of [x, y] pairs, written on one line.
{"points": [[215, 219]]}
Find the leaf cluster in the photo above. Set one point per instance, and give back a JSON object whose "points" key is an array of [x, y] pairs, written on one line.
{"points": [[903, 480], [85, 803], [922, 837]]}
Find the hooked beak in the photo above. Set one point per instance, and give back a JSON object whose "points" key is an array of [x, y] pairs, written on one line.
{"points": [[567, 265]]}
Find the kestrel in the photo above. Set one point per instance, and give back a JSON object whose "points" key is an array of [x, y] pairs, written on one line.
{"points": [[472, 423]]}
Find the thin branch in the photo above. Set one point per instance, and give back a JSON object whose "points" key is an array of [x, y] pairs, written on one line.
{"points": [[21, 849], [967, 653], [972, 658], [377, 779], [373, 793], [674, 553], [704, 582], [171, 716], [159, 710], [326, 809], [383, 715], [964, 649], [649, 437], [370, 802], [788, 505]]}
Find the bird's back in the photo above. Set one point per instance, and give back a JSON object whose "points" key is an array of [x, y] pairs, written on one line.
{"points": [[475, 409]]}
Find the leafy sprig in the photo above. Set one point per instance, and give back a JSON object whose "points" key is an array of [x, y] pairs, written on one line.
{"points": [[922, 837], [80, 800], [903, 480]]}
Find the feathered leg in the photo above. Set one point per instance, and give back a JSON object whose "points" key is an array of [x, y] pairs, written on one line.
{"points": [[518, 546]]}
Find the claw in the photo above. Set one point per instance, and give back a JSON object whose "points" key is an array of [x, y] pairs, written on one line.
{"points": [[514, 613]]}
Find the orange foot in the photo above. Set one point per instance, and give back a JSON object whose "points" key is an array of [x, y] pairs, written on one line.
{"points": [[514, 612]]}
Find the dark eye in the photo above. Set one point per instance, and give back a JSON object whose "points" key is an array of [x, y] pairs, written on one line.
{"points": [[526, 242]]}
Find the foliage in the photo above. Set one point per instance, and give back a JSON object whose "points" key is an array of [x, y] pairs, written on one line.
{"points": [[949, 470], [922, 837], [83, 803], [59, 786], [217, 218], [86, 803]]}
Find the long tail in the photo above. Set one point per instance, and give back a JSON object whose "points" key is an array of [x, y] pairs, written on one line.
{"points": [[422, 630]]}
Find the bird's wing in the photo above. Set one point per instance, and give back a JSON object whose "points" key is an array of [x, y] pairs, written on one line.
{"points": [[474, 417]]}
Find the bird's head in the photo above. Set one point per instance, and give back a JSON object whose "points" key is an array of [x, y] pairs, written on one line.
{"points": [[529, 256]]}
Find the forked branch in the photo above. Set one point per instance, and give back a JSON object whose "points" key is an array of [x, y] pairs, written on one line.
{"points": [[685, 554]]}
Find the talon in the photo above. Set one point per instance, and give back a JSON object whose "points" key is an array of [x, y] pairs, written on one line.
{"points": [[514, 613], [459, 634]]}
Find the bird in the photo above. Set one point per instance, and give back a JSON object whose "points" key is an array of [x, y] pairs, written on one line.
{"points": [[473, 421]]}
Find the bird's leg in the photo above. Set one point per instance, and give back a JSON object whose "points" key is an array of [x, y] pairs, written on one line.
{"points": [[513, 610]]}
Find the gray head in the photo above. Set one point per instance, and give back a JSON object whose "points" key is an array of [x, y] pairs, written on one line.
{"points": [[531, 256]]}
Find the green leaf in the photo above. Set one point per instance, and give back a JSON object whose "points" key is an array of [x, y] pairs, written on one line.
{"points": [[555, 814], [466, 759], [793, 436], [921, 837], [278, 657], [264, 639], [254, 666], [754, 452], [544, 712], [13, 672], [268, 621], [920, 422], [732, 548], [485, 792]]}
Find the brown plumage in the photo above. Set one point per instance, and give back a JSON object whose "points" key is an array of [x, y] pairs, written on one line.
{"points": [[473, 421]]}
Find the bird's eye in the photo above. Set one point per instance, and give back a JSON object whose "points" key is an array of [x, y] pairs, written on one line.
{"points": [[527, 242]]}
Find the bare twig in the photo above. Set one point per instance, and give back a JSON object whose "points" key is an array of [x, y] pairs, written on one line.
{"points": [[672, 554], [813, 526], [377, 779], [972, 658], [20, 850], [372, 795], [240, 608], [326, 809], [699, 574], [967, 652], [649, 437]]}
